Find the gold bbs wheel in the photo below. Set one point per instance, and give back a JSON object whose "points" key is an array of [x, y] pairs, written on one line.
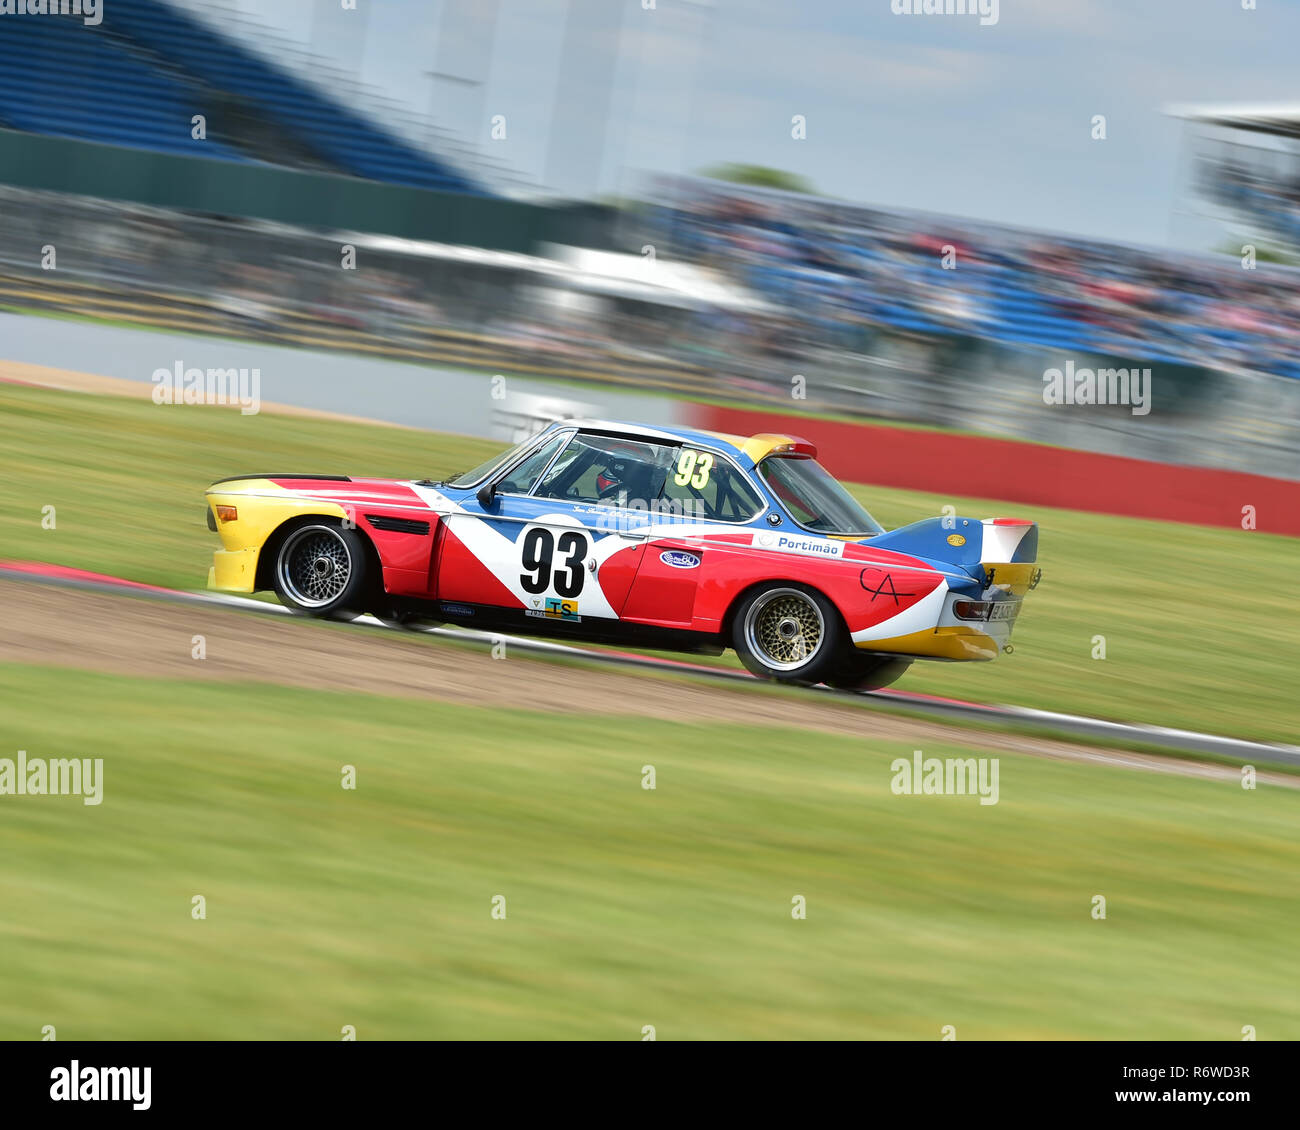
{"points": [[784, 629]]}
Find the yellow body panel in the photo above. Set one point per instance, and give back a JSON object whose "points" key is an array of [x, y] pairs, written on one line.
{"points": [[263, 507], [234, 570], [1017, 579], [756, 446], [948, 642]]}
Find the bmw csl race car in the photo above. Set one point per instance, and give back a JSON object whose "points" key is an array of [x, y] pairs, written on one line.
{"points": [[651, 537]]}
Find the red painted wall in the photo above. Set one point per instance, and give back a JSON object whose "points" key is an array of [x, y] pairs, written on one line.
{"points": [[981, 467]]}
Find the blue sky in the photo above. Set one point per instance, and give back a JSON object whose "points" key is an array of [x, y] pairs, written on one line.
{"points": [[936, 113]]}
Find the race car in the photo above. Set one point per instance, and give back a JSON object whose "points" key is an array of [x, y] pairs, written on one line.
{"points": [[651, 537]]}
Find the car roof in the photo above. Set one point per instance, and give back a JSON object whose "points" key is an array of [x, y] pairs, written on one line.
{"points": [[748, 450]]}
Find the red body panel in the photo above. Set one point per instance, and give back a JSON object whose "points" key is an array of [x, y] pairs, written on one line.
{"points": [[404, 557], [462, 577], [868, 585], [618, 573]]}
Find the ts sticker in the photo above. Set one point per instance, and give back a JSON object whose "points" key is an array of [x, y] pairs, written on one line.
{"points": [[556, 609], [679, 559]]}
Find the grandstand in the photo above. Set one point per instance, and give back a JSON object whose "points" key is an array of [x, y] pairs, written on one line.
{"points": [[1246, 171], [842, 269], [138, 79]]}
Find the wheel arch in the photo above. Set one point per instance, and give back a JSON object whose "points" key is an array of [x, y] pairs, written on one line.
{"points": [[265, 578], [729, 617]]}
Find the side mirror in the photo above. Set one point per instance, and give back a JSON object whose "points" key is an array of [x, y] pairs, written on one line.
{"points": [[486, 494]]}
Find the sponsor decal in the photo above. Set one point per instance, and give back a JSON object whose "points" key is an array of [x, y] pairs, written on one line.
{"points": [[556, 609], [798, 543], [679, 559], [956, 539], [457, 609]]}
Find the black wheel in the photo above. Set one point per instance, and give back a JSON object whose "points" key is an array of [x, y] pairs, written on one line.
{"points": [[789, 632], [320, 570], [867, 673]]}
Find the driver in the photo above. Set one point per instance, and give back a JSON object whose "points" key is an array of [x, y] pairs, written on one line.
{"points": [[627, 477]]}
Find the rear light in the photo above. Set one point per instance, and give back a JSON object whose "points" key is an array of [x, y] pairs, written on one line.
{"points": [[999, 610], [971, 609], [227, 514]]}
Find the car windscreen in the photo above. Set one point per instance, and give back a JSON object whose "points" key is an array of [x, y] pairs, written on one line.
{"points": [[814, 499], [484, 470]]}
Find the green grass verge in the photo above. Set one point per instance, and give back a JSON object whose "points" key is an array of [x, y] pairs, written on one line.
{"points": [[624, 907], [1198, 625], [126, 477]]}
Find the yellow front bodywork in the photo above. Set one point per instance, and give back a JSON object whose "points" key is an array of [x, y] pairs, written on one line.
{"points": [[263, 507]]}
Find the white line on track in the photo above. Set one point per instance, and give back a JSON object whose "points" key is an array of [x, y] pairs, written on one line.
{"points": [[1020, 716]]}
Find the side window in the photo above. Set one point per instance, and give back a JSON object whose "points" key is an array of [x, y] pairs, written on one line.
{"points": [[703, 485], [608, 471], [522, 478]]}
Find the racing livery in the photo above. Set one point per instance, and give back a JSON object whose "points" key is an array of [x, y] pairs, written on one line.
{"points": [[658, 537]]}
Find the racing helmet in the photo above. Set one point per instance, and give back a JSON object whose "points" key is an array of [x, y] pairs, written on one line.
{"points": [[629, 469]]}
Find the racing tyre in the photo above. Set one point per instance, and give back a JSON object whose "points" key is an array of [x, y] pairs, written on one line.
{"points": [[789, 633], [320, 570], [867, 674]]}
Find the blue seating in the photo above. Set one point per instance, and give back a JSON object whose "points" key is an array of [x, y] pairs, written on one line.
{"points": [[342, 137], [140, 77], [59, 77]]}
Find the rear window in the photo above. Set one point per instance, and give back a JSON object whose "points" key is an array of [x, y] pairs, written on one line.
{"points": [[814, 498]]}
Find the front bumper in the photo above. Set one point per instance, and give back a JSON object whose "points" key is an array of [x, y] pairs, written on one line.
{"points": [[234, 570], [263, 507]]}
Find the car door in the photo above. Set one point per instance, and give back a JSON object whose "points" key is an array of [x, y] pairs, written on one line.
{"points": [[562, 537], [713, 504]]}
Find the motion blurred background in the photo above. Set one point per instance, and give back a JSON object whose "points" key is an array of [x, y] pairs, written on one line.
{"points": [[471, 216], [588, 263]]}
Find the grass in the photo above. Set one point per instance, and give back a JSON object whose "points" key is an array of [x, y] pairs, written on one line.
{"points": [[1197, 622], [624, 907], [126, 477]]}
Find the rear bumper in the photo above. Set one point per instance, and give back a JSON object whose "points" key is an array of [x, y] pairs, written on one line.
{"points": [[931, 628], [234, 570], [948, 641]]}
